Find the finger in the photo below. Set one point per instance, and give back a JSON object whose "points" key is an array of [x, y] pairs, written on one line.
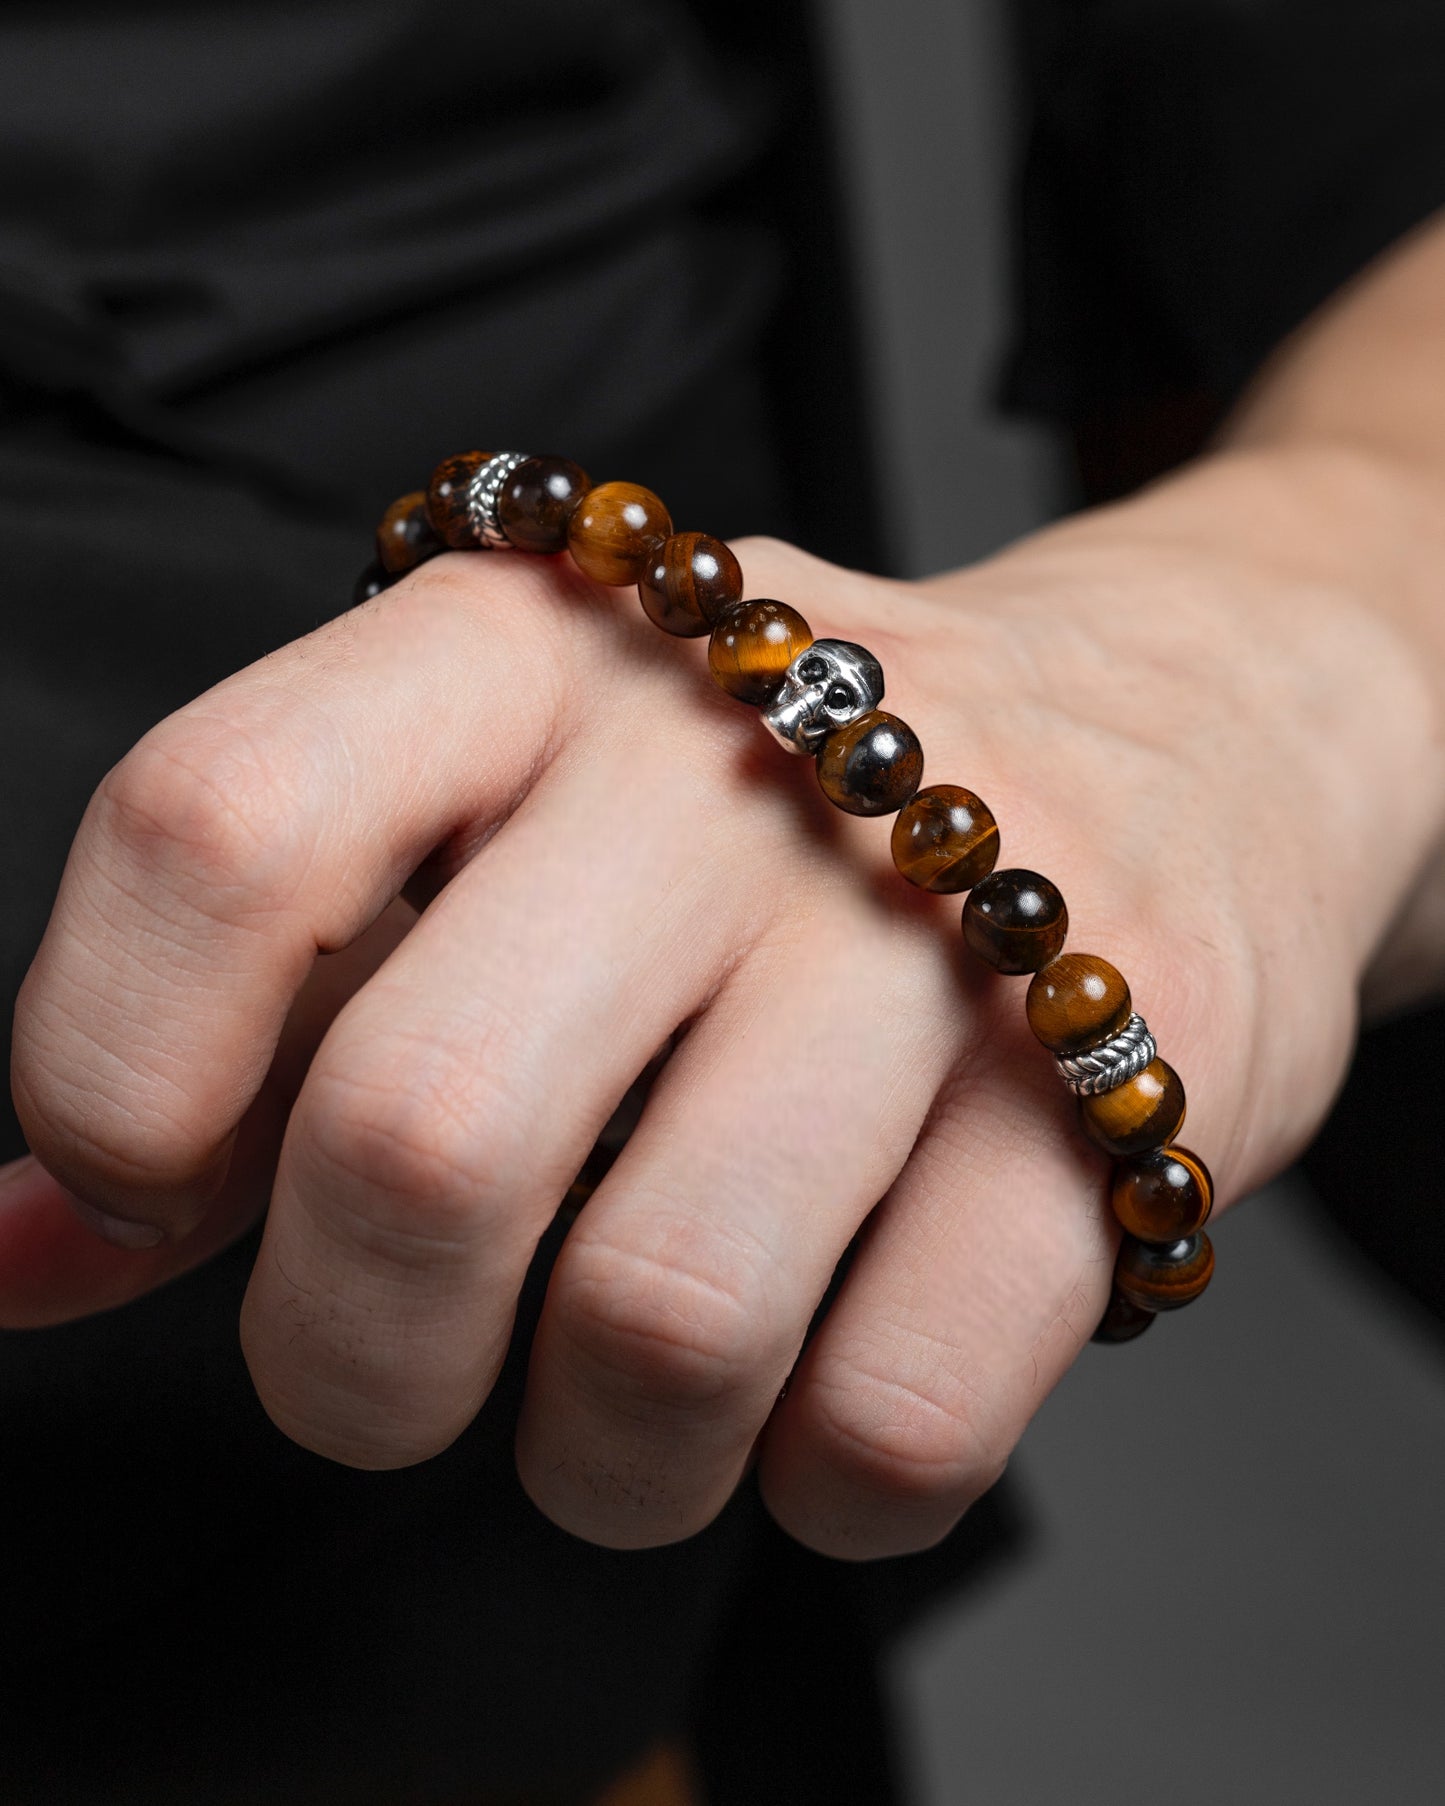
{"points": [[276, 815], [682, 1295], [458, 1095]]}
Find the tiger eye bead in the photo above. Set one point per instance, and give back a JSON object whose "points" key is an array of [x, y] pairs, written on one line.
{"points": [[872, 766], [1122, 1321], [446, 498], [1163, 1196], [406, 537], [614, 532], [1076, 1001], [945, 839], [372, 581], [1164, 1276], [1016, 921], [752, 646], [1143, 1113], [690, 582], [535, 503]]}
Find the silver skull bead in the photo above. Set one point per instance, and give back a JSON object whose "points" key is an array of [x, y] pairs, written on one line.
{"points": [[829, 684]]}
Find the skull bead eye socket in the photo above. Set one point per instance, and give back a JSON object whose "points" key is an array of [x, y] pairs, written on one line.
{"points": [[839, 697], [812, 670]]}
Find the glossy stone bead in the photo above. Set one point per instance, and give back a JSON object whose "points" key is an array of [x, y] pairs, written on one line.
{"points": [[1016, 921], [536, 503], [872, 766], [406, 537], [1144, 1112], [945, 839], [1076, 1001], [1163, 1196], [446, 498], [752, 645], [372, 581], [615, 530], [1164, 1276], [690, 582], [1122, 1321]]}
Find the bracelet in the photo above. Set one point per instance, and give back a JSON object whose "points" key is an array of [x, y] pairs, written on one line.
{"points": [[821, 697]]}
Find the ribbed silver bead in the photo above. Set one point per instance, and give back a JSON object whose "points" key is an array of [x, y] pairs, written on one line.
{"points": [[1113, 1062], [485, 491]]}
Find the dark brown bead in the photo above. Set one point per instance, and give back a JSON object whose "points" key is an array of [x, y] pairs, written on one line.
{"points": [[872, 766], [1016, 921], [1163, 1196], [615, 530], [1163, 1276], [537, 500], [406, 537], [753, 645], [446, 498], [690, 582], [1122, 1321], [1144, 1112], [945, 839], [372, 581], [1077, 1001]]}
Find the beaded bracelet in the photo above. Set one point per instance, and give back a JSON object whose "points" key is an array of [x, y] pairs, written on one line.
{"points": [[821, 697]]}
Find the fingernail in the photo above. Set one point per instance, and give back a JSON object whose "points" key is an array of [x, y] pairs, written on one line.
{"points": [[116, 1230]]}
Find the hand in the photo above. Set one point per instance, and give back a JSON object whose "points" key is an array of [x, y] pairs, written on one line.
{"points": [[609, 850]]}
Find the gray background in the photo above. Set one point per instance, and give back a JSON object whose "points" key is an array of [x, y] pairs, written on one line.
{"points": [[1237, 1590]]}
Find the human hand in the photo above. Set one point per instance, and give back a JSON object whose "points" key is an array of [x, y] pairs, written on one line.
{"points": [[1172, 713]]}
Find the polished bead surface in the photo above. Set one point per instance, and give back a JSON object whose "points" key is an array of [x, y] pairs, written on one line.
{"points": [[614, 531], [1145, 1112], [1122, 1321], [446, 498], [872, 766], [536, 500], [691, 580], [372, 581], [1016, 921], [752, 646], [1163, 1276], [945, 839], [1077, 1001], [406, 537], [1162, 1196]]}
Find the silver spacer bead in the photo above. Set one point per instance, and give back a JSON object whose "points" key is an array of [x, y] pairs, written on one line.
{"points": [[1113, 1062], [485, 491]]}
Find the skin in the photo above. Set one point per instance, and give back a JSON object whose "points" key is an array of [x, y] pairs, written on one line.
{"points": [[1212, 714]]}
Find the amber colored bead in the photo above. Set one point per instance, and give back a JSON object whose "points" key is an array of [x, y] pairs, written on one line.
{"points": [[372, 581], [1076, 1001], [446, 498], [1162, 1276], [1016, 921], [1163, 1196], [1144, 1112], [690, 582], [537, 500], [872, 766], [406, 537], [945, 839], [752, 646], [1122, 1321], [614, 531]]}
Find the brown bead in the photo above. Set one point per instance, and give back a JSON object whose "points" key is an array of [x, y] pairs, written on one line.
{"points": [[752, 646], [1163, 1196], [871, 766], [372, 581], [446, 498], [1144, 1112], [614, 531], [1016, 921], [1122, 1321], [1077, 1001], [537, 500], [690, 582], [406, 537], [1163, 1276], [945, 839]]}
